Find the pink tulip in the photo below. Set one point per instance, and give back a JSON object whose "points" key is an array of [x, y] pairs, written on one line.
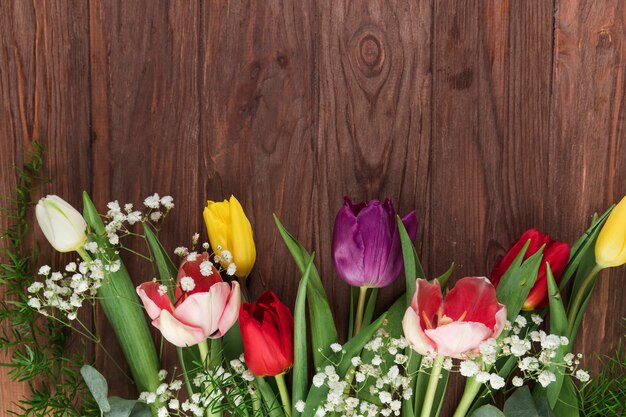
{"points": [[457, 326], [205, 307]]}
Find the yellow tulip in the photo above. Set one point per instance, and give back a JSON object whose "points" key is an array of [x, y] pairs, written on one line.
{"points": [[611, 243], [229, 229]]}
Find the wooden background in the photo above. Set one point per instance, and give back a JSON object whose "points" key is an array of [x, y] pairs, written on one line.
{"points": [[486, 117]]}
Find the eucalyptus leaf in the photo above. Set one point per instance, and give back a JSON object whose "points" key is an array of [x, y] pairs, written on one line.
{"points": [[567, 405], [121, 407], [97, 385], [141, 410], [520, 404], [487, 411]]}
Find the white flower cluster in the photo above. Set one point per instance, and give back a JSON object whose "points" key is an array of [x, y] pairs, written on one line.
{"points": [[535, 352], [117, 218], [380, 373], [206, 267], [224, 386], [67, 290]]}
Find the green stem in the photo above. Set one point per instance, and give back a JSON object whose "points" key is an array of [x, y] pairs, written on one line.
{"points": [[83, 254], [205, 358], [284, 393], [471, 390], [360, 308], [433, 382], [256, 402], [579, 298]]}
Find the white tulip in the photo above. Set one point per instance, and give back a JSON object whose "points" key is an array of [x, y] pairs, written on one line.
{"points": [[62, 224]]}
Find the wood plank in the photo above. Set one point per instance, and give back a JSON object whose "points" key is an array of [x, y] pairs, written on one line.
{"points": [[257, 123], [491, 75], [145, 104], [44, 96], [373, 137], [587, 152]]}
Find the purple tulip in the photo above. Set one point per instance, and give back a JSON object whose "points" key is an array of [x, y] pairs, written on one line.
{"points": [[366, 243]]}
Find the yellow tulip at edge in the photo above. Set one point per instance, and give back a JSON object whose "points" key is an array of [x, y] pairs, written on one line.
{"points": [[229, 229], [611, 243]]}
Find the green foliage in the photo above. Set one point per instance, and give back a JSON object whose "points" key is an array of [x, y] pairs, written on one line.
{"points": [[519, 404], [604, 395], [55, 385]]}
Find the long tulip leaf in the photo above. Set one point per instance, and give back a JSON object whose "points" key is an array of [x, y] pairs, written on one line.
{"points": [[323, 330], [412, 266], [518, 280], [558, 326], [352, 348], [300, 366], [122, 307], [270, 399], [582, 246]]}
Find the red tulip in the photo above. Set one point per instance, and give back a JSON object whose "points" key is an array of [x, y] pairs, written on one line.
{"points": [[457, 326], [555, 253], [267, 335]]}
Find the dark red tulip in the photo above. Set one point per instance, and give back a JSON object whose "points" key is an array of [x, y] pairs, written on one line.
{"points": [[267, 335], [555, 253]]}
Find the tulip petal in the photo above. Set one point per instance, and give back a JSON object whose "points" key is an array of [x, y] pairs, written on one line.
{"points": [[231, 311], [203, 310], [415, 334], [472, 299], [457, 338], [192, 269], [242, 241], [537, 240], [348, 248], [376, 232], [153, 300], [610, 247], [217, 219], [427, 302], [178, 333], [500, 321]]}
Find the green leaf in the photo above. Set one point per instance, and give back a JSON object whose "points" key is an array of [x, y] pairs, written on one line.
{"points": [[412, 266], [121, 407], [518, 280], [583, 245], [520, 404], [121, 305], [323, 330], [352, 348], [558, 326], [97, 386], [567, 405], [445, 277], [487, 411], [300, 366], [141, 410], [269, 398]]}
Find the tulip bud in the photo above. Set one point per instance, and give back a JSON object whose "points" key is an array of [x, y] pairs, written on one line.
{"points": [[267, 334], [366, 247], [229, 229], [555, 253], [611, 243], [62, 224]]}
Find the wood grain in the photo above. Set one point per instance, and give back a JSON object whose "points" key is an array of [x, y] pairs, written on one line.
{"points": [[487, 118], [45, 97], [587, 153]]}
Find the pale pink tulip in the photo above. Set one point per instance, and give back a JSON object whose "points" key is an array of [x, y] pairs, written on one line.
{"points": [[457, 326], [205, 307]]}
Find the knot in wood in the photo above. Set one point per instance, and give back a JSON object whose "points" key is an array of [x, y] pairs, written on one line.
{"points": [[368, 51]]}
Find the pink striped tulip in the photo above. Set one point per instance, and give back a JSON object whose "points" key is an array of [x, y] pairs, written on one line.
{"points": [[205, 306], [457, 326]]}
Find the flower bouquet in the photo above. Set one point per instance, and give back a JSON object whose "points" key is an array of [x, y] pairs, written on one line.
{"points": [[241, 355]]}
